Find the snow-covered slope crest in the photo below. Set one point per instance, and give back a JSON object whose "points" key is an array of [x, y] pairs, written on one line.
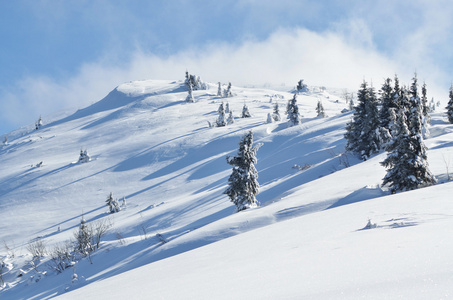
{"points": [[150, 146]]}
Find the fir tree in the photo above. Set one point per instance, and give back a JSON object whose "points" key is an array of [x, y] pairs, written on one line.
{"points": [[227, 93], [269, 118], [424, 101], [230, 119], [406, 162], [227, 108], [362, 133], [245, 112], [83, 238], [388, 106], [320, 110], [38, 123], [449, 105], [301, 86], [351, 103], [220, 122], [84, 156], [112, 204], [219, 90], [293, 112], [276, 113], [189, 97], [243, 183]]}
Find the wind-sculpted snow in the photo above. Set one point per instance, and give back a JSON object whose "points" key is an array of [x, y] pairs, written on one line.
{"points": [[179, 236]]}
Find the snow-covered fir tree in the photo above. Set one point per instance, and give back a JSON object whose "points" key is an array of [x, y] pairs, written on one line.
{"points": [[417, 118], [84, 156], [424, 103], [243, 181], [245, 112], [5, 140], [220, 122], [301, 86], [189, 97], [406, 162], [276, 113], [449, 105], [432, 105], [388, 106], [362, 132], [230, 119], [195, 81], [112, 204], [83, 238], [269, 118], [227, 108], [320, 110], [351, 103], [227, 93], [292, 111], [124, 203], [38, 123], [219, 90]]}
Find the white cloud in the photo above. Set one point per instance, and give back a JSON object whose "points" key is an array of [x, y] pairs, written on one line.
{"points": [[333, 58]]}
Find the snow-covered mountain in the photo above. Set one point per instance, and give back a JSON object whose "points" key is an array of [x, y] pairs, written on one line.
{"points": [[179, 237]]}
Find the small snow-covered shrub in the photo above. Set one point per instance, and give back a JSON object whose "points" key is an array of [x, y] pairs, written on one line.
{"points": [[37, 248], [62, 256]]}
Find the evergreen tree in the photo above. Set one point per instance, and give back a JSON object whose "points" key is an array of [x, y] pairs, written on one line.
{"points": [[388, 105], [424, 100], [84, 157], [301, 86], [243, 183], [269, 118], [245, 112], [293, 112], [230, 119], [432, 105], [227, 108], [112, 204], [351, 103], [362, 133], [83, 238], [219, 90], [276, 114], [189, 97], [220, 122], [406, 162], [320, 110], [38, 123], [449, 105], [227, 93]]}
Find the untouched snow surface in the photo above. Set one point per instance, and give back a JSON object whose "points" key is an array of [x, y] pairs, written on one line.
{"points": [[179, 237]]}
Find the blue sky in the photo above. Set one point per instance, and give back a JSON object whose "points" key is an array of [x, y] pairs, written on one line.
{"points": [[68, 54]]}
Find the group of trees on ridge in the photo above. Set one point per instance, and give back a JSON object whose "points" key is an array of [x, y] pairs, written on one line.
{"points": [[396, 122]]}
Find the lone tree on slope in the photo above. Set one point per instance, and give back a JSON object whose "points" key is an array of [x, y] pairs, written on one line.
{"points": [[220, 122], [243, 183], [245, 112], [189, 97], [112, 204], [320, 110], [293, 112], [276, 113]]}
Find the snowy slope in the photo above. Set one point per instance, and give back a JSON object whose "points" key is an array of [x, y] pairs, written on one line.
{"points": [[150, 146]]}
